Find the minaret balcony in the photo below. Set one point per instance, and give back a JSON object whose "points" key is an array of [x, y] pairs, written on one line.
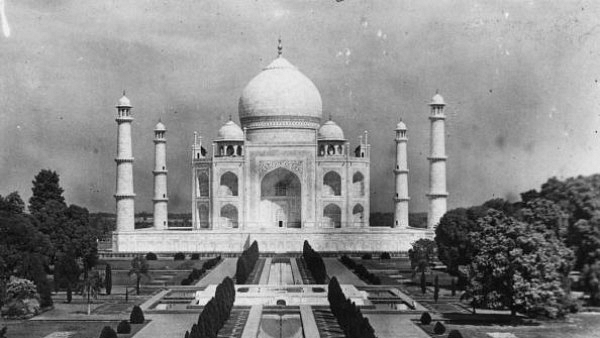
{"points": [[124, 160], [401, 199], [437, 194], [164, 171], [161, 199], [437, 158], [124, 196], [122, 119], [400, 171]]}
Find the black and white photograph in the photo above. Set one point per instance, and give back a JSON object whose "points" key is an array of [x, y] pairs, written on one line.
{"points": [[299, 169]]}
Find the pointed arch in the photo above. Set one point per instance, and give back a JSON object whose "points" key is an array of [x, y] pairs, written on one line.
{"points": [[332, 216], [203, 216], [228, 184], [358, 214], [358, 184], [203, 186], [229, 216], [332, 184]]}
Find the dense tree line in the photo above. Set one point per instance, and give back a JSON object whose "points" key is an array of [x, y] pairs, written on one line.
{"points": [[215, 312], [197, 273], [347, 313], [246, 263], [314, 263], [529, 246], [360, 270]]}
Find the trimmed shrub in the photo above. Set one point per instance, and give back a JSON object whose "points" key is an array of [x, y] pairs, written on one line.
{"points": [[215, 312], [455, 334], [425, 318], [137, 316], [3, 332], [108, 279], [436, 288], [439, 328], [108, 332], [186, 281], [453, 287], [180, 256], [367, 256], [348, 315], [314, 263], [423, 282], [385, 255], [245, 264], [124, 327], [151, 256], [195, 256]]}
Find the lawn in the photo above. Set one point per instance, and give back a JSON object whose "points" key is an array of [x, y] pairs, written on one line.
{"points": [[79, 329]]}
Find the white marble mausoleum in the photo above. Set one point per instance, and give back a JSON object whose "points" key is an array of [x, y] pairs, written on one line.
{"points": [[283, 175]]}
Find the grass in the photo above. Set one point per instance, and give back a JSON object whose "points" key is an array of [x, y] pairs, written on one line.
{"points": [[81, 329]]}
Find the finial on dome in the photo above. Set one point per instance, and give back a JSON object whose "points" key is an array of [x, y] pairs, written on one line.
{"points": [[230, 117], [330, 117], [279, 48]]}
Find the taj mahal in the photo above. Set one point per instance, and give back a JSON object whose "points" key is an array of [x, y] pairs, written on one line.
{"points": [[282, 176]]}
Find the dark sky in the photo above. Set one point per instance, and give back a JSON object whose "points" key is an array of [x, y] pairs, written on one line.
{"points": [[520, 79]]}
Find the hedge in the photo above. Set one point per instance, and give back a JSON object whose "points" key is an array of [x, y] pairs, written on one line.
{"points": [[215, 312], [360, 270], [246, 263], [123, 327], [348, 315], [314, 263]]}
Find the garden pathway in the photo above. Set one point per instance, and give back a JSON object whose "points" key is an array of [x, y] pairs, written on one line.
{"points": [[341, 272], [216, 275]]}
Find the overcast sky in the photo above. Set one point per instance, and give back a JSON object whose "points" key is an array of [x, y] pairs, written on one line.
{"points": [[520, 79]]}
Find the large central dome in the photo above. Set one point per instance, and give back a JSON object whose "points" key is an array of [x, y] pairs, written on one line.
{"points": [[280, 97]]}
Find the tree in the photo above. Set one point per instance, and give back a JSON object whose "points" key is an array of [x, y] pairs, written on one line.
{"points": [[139, 268], [423, 252], [423, 282], [91, 288], [23, 253], [45, 188], [66, 272], [544, 215], [584, 239], [436, 288], [518, 267], [452, 239], [108, 279], [591, 280], [12, 204]]}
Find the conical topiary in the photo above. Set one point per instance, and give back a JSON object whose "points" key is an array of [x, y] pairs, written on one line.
{"points": [[455, 334], [439, 328], [123, 327], [108, 332], [137, 316], [425, 318]]}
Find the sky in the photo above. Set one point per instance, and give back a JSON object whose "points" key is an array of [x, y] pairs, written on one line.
{"points": [[520, 79]]}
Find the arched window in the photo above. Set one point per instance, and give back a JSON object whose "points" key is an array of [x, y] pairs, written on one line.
{"points": [[358, 214], [203, 184], [229, 184], [230, 150], [229, 216], [203, 216], [358, 184], [332, 184], [332, 216], [239, 151]]}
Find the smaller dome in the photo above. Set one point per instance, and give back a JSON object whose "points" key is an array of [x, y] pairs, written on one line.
{"points": [[230, 131], [160, 127], [124, 101], [437, 99], [401, 126], [330, 131]]}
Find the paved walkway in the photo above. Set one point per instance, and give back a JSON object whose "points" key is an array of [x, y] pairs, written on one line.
{"points": [[216, 275], [393, 326], [341, 272], [264, 277], [296, 271], [167, 325], [309, 324], [253, 322]]}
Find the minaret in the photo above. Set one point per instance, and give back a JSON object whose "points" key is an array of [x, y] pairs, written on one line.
{"points": [[124, 194], [160, 177], [401, 172], [437, 163]]}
